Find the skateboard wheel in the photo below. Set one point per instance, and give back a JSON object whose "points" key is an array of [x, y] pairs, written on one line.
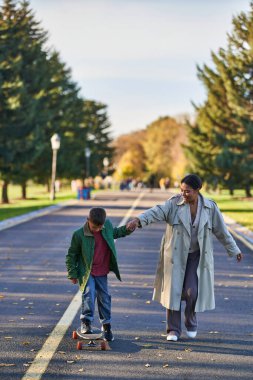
{"points": [[74, 335], [103, 346], [79, 345]]}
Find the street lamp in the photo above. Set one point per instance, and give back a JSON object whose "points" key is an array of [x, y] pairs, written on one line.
{"points": [[87, 153], [106, 164], [55, 143]]}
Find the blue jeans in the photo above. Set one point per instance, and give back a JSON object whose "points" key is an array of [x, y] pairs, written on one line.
{"points": [[96, 287]]}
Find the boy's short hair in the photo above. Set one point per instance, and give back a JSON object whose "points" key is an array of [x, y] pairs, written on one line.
{"points": [[97, 215]]}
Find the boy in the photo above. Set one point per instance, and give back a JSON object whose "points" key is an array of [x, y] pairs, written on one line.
{"points": [[91, 255]]}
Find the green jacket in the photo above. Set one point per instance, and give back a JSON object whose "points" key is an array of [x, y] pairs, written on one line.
{"points": [[81, 251]]}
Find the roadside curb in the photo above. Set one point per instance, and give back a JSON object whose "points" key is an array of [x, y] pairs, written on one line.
{"points": [[34, 214], [239, 232]]}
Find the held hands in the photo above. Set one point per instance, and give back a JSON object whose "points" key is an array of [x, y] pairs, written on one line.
{"points": [[132, 224], [73, 280], [239, 257]]}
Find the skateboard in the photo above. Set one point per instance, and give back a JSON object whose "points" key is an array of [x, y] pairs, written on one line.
{"points": [[94, 340]]}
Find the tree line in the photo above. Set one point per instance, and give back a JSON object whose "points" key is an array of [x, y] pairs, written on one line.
{"points": [[220, 147], [152, 153], [38, 98]]}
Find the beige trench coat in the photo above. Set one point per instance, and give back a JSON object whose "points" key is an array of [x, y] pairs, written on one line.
{"points": [[175, 247]]}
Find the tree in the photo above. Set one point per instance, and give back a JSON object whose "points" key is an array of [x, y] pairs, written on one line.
{"points": [[163, 148], [130, 156], [22, 65], [220, 144]]}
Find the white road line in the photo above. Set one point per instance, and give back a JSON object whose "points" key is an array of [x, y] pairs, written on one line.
{"points": [[42, 359]]}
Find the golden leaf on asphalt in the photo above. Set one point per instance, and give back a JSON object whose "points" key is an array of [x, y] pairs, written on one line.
{"points": [[147, 345], [188, 349], [26, 343], [7, 364], [1, 296], [165, 365], [147, 365], [8, 337], [81, 370], [148, 302], [62, 352]]}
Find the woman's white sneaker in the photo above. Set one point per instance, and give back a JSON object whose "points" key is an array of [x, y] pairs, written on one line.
{"points": [[172, 338], [191, 334]]}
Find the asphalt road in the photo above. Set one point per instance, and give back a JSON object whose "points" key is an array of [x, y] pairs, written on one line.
{"points": [[34, 294]]}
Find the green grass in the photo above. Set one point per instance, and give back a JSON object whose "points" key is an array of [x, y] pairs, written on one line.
{"points": [[37, 198], [236, 207]]}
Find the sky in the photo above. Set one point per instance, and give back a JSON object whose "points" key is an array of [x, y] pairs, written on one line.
{"points": [[138, 57]]}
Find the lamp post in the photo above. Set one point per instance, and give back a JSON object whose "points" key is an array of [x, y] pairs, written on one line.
{"points": [[87, 153], [106, 164], [55, 143]]}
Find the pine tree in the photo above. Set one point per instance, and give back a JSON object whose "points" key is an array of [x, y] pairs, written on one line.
{"points": [[221, 142]]}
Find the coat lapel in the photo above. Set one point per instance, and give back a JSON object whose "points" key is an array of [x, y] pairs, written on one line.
{"points": [[183, 215], [204, 216]]}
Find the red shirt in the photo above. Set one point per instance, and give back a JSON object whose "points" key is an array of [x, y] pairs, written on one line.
{"points": [[102, 255]]}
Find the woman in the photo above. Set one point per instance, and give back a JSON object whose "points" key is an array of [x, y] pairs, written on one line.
{"points": [[185, 270]]}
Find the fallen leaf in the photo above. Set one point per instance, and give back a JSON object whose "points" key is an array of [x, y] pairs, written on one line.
{"points": [[26, 343], [148, 302], [165, 365], [7, 364], [1, 296], [147, 345], [81, 370], [147, 365], [188, 349], [8, 337], [70, 361], [62, 352]]}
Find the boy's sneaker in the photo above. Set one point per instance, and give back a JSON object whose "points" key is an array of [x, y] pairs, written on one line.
{"points": [[86, 327], [107, 332]]}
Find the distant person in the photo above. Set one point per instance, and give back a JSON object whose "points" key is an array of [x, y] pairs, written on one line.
{"points": [[91, 255], [151, 182], [185, 270]]}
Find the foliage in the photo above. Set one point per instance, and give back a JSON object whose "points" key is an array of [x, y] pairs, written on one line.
{"points": [[37, 99], [220, 145], [155, 152]]}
